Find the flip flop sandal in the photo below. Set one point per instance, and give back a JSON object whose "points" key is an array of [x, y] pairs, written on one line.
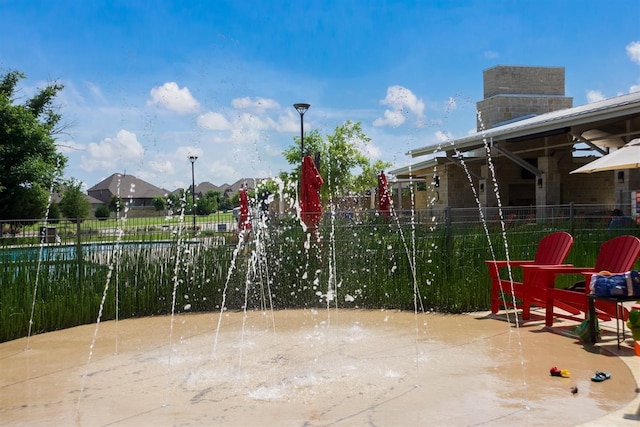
{"points": [[555, 372], [600, 376]]}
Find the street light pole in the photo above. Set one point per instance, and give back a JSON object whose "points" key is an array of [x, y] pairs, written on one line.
{"points": [[302, 108], [193, 159]]}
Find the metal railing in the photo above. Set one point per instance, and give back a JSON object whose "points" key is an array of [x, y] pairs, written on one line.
{"points": [[570, 217]]}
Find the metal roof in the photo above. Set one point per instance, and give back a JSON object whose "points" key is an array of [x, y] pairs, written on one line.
{"points": [[611, 108]]}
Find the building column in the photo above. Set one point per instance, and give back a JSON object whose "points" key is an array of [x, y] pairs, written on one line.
{"points": [[548, 191], [486, 191]]}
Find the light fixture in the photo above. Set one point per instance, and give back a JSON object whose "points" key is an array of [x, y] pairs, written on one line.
{"points": [[621, 177], [302, 108], [482, 187], [436, 181], [539, 182]]}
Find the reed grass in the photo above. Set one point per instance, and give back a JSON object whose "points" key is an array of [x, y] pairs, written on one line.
{"points": [[365, 264]]}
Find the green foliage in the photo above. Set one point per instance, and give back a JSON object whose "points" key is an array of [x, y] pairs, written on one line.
{"points": [[372, 268], [116, 204], [159, 203], [634, 319], [177, 203], [225, 203], [208, 203], [74, 203], [29, 161], [54, 213], [343, 166], [102, 212]]}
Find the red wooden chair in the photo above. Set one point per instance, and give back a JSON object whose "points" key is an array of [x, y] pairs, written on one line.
{"points": [[552, 250], [617, 255]]}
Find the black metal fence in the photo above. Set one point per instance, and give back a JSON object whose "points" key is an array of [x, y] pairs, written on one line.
{"points": [[58, 273], [222, 227]]}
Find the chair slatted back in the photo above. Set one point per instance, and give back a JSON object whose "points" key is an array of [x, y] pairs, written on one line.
{"points": [[553, 248], [618, 254]]}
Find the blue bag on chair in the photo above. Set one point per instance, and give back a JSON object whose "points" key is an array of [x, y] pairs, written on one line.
{"points": [[616, 285]]}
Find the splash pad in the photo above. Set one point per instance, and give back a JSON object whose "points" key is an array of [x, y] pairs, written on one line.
{"points": [[306, 367]]}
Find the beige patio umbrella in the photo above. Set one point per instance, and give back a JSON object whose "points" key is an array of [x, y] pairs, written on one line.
{"points": [[627, 157]]}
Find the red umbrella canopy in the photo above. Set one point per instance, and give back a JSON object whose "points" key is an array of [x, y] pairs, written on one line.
{"points": [[310, 183], [384, 199], [245, 219]]}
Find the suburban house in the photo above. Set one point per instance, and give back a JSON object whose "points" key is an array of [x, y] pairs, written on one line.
{"points": [[225, 189], [529, 133], [135, 191]]}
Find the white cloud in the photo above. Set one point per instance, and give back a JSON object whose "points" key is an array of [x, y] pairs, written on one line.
{"points": [[289, 122], [391, 118], [67, 147], [400, 100], [369, 150], [94, 89], [252, 121], [490, 54], [451, 105], [594, 96], [171, 97], [112, 154], [256, 103], [633, 50], [443, 136], [244, 123], [214, 121], [185, 152], [634, 88], [160, 166]]}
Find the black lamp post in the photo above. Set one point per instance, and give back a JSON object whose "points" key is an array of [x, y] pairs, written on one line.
{"points": [[302, 108], [193, 191]]}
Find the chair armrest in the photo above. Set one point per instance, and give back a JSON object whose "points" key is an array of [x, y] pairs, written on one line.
{"points": [[564, 269], [512, 263]]}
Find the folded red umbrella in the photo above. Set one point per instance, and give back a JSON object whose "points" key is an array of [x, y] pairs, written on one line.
{"points": [[310, 183], [245, 220], [384, 198]]}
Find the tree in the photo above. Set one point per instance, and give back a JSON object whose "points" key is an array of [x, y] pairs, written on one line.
{"points": [[160, 203], [29, 160], [74, 204], [115, 204], [102, 212], [54, 213], [208, 203], [343, 166]]}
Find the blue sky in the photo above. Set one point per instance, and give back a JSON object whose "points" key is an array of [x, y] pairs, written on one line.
{"points": [[148, 83]]}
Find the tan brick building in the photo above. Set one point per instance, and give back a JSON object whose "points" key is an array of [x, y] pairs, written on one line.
{"points": [[527, 140]]}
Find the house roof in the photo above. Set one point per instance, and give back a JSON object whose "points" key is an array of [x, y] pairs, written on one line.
{"points": [[598, 124], [580, 119], [128, 186], [206, 186]]}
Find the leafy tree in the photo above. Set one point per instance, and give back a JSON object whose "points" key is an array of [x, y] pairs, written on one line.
{"points": [[160, 203], [177, 203], [102, 212], [74, 204], [225, 203], [208, 203], [115, 204], [29, 161], [54, 213], [342, 164]]}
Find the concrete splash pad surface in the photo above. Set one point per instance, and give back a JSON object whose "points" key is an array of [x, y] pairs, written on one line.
{"points": [[306, 368]]}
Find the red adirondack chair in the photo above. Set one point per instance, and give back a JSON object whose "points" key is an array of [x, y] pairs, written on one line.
{"points": [[552, 250], [617, 255]]}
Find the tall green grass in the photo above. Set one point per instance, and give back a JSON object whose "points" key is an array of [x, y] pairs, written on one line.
{"points": [[371, 267]]}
